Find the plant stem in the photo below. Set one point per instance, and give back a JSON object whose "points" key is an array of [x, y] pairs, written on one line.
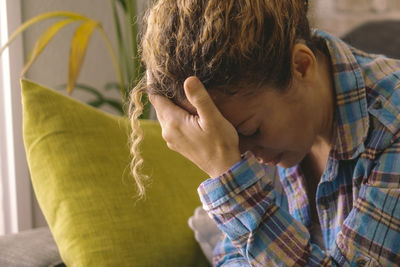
{"points": [[115, 62], [132, 13], [121, 52]]}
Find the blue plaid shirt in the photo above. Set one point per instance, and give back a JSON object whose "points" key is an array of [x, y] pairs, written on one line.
{"points": [[357, 197]]}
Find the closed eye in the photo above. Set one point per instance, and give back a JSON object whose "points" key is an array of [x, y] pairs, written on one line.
{"points": [[250, 134]]}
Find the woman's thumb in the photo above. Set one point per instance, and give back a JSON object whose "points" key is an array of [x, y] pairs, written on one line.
{"points": [[198, 96]]}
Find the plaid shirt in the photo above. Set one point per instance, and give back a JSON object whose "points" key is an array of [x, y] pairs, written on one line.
{"points": [[358, 195]]}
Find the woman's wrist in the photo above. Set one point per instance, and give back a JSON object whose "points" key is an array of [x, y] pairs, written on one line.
{"points": [[225, 165]]}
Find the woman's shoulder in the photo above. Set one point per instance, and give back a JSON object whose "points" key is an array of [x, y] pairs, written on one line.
{"points": [[382, 82], [381, 74]]}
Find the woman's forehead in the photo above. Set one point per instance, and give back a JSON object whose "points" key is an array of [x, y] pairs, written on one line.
{"points": [[237, 108]]}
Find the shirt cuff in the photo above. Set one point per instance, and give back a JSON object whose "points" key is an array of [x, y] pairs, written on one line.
{"points": [[215, 191]]}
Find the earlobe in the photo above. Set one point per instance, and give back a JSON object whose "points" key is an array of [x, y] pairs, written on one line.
{"points": [[303, 61]]}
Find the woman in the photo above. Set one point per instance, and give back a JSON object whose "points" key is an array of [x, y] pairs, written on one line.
{"points": [[240, 86]]}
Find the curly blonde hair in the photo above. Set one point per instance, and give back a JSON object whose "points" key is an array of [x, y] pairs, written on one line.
{"points": [[225, 43]]}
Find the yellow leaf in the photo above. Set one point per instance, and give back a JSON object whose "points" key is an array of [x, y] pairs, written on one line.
{"points": [[42, 42], [54, 14], [79, 44]]}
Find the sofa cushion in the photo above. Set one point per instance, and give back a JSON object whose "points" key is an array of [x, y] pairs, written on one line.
{"points": [[79, 162]]}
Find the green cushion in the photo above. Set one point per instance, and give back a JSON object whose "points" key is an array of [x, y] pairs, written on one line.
{"points": [[79, 162]]}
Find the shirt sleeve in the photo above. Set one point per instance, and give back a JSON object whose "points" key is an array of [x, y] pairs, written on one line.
{"points": [[241, 202], [226, 254]]}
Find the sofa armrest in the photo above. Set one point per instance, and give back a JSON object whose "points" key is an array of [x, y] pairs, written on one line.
{"points": [[32, 248]]}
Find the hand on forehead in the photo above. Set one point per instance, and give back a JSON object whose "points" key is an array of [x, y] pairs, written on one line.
{"points": [[191, 82]]}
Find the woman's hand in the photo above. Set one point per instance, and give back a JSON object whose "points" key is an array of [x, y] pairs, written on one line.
{"points": [[207, 139]]}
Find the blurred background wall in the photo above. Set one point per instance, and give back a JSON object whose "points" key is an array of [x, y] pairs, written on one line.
{"points": [[340, 16]]}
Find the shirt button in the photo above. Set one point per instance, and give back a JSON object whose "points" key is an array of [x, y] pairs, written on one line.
{"points": [[378, 104], [361, 262], [324, 204]]}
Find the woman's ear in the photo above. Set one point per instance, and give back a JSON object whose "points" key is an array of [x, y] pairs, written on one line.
{"points": [[304, 63]]}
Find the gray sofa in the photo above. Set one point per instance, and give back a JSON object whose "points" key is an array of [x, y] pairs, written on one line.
{"points": [[31, 248]]}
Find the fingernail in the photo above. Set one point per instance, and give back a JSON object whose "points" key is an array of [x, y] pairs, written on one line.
{"points": [[192, 82]]}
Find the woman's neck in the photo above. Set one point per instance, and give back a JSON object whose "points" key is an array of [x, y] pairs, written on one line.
{"points": [[327, 101]]}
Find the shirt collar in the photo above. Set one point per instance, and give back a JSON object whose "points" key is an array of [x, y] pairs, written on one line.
{"points": [[351, 112]]}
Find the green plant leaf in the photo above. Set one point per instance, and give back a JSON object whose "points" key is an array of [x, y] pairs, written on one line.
{"points": [[123, 59], [117, 105], [86, 88], [112, 85], [100, 99], [96, 103], [114, 60], [27, 24], [123, 4], [79, 45], [42, 42]]}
